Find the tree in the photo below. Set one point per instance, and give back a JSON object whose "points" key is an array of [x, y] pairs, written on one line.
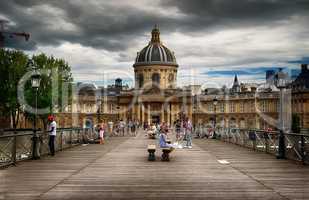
{"points": [[12, 68], [51, 90]]}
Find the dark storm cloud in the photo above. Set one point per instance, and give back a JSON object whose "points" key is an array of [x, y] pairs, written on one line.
{"points": [[114, 27], [208, 13], [107, 27]]}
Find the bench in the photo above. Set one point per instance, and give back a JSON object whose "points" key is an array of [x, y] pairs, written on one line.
{"points": [[151, 148], [165, 154]]}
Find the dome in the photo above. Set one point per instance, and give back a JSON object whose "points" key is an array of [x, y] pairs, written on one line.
{"points": [[155, 53]]}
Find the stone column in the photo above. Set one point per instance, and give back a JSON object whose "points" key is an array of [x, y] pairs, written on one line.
{"points": [[169, 114], [138, 106], [172, 112]]}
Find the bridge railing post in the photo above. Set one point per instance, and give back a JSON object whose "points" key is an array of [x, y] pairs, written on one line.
{"points": [[266, 138], [14, 146], [70, 136], [302, 149], [78, 136], [61, 140]]}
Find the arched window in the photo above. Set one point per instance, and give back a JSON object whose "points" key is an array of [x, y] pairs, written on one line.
{"points": [[171, 77], [140, 80], [171, 80], [156, 79]]}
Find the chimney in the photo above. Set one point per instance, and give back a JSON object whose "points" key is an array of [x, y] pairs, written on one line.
{"points": [[304, 68]]}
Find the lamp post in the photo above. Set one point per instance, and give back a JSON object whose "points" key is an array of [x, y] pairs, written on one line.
{"points": [[215, 102], [99, 103], [281, 83], [118, 106], [194, 111], [35, 83]]}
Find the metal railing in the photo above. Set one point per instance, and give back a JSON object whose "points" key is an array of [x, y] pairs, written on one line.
{"points": [[296, 145], [17, 145]]}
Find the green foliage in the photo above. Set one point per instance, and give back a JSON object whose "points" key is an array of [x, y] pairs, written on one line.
{"points": [[56, 73], [12, 68]]}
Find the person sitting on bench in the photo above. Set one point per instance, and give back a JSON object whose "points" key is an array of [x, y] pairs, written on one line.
{"points": [[163, 138]]}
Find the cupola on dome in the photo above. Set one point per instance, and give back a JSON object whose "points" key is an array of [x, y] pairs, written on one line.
{"points": [[155, 53]]}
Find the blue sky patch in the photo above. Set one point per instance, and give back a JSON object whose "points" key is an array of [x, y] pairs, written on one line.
{"points": [[246, 71]]}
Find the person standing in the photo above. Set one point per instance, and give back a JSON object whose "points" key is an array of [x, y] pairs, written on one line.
{"points": [[130, 127], [178, 130], [52, 130], [188, 133], [110, 126], [134, 127], [101, 133], [122, 125]]}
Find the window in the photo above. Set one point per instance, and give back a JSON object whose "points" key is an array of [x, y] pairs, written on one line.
{"points": [[232, 107], [140, 80], [210, 107], [242, 107], [263, 105], [155, 79], [221, 107], [171, 80], [252, 106], [276, 106], [171, 77]]}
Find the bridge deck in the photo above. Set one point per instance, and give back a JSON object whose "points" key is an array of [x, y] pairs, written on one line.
{"points": [[120, 170]]}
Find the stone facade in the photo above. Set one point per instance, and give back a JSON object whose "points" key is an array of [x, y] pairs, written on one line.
{"points": [[156, 98]]}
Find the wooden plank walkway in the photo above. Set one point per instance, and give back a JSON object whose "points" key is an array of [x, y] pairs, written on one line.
{"points": [[120, 170]]}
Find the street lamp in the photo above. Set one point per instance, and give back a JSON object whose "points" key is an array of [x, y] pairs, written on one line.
{"points": [[118, 106], [215, 102], [35, 83], [281, 84]]}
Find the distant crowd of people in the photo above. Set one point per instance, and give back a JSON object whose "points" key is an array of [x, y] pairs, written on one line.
{"points": [[119, 128], [182, 127]]}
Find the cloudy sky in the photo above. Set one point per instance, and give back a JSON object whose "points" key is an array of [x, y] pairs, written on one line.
{"points": [[212, 39]]}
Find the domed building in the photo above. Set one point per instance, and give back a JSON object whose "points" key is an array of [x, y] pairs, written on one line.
{"points": [[155, 94], [155, 65], [156, 98]]}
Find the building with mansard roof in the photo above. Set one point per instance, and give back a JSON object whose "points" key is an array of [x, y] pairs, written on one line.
{"points": [[300, 99], [155, 97]]}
